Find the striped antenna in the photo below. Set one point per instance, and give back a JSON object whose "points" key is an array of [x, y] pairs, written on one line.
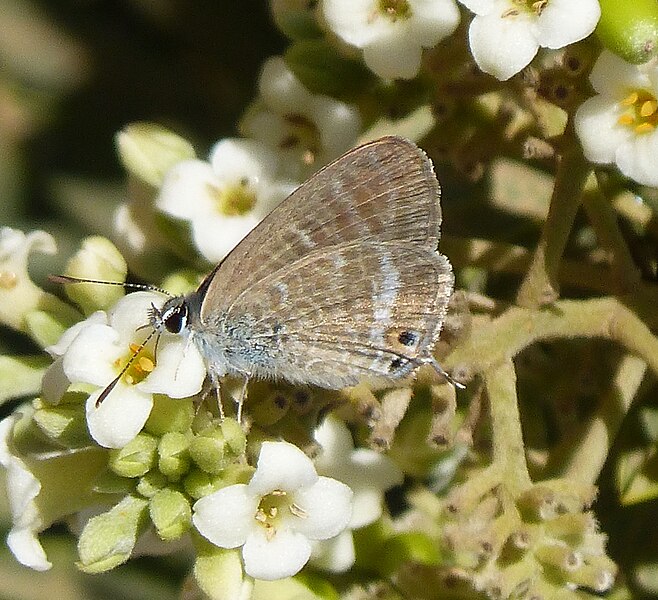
{"points": [[133, 286]]}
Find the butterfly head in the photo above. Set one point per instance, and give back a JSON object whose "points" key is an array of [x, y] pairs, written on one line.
{"points": [[172, 317]]}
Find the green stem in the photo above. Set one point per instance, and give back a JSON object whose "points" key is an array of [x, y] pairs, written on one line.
{"points": [[604, 221], [491, 342], [540, 286], [508, 449]]}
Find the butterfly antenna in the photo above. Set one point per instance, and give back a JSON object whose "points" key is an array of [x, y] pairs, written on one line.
{"points": [[439, 369], [106, 392], [132, 286]]}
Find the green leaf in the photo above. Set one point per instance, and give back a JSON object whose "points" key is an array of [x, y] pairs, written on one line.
{"points": [[323, 71]]}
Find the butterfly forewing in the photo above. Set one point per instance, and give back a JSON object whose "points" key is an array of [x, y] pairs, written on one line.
{"points": [[382, 191]]}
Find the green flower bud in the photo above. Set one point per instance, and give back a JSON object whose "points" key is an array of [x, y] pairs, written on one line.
{"points": [[218, 446], [64, 424], [198, 483], [169, 414], [219, 572], [151, 483], [209, 453], [173, 455], [98, 259], [171, 513], [21, 375], [108, 539], [43, 327], [629, 28], [148, 151], [136, 458]]}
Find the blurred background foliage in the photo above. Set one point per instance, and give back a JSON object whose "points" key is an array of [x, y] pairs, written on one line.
{"points": [[74, 72]]}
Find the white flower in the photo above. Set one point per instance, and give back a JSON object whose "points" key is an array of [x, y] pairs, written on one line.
{"points": [[18, 295], [505, 35], [277, 514], [392, 33], [368, 473], [98, 353], [226, 197], [308, 130], [619, 124], [22, 489]]}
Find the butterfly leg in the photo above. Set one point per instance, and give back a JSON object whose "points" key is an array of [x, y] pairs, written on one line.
{"points": [[243, 395], [214, 384]]}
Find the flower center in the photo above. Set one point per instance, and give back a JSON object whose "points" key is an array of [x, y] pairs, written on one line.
{"points": [[534, 7], [141, 366], [235, 200], [395, 9], [641, 111], [303, 134], [272, 509]]}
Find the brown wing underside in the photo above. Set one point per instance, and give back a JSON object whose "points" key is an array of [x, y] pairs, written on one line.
{"points": [[335, 316], [383, 191]]}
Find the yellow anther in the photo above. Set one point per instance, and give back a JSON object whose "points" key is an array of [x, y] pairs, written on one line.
{"points": [[644, 128], [146, 364], [626, 119], [630, 99], [648, 108]]}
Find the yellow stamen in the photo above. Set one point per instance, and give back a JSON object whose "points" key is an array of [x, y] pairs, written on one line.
{"points": [[644, 128], [626, 119], [630, 99], [648, 108], [146, 364]]}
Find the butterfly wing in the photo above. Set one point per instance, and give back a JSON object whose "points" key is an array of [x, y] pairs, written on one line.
{"points": [[337, 315], [383, 191]]}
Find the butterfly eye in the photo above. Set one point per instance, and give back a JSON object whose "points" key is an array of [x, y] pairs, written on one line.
{"points": [[176, 320]]}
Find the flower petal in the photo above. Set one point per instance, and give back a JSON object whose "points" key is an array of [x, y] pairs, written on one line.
{"points": [[187, 190], [393, 56], [131, 313], [91, 355], [179, 372], [216, 236], [281, 556], [327, 508], [227, 517], [563, 22], [335, 555], [282, 466], [597, 126], [358, 22], [233, 159], [637, 158], [433, 20], [614, 77], [502, 46], [120, 417]]}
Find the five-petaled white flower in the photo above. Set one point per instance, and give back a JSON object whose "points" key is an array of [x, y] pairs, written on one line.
{"points": [[505, 35], [308, 130], [368, 474], [22, 489], [619, 124], [392, 33], [100, 350], [277, 514], [226, 197]]}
